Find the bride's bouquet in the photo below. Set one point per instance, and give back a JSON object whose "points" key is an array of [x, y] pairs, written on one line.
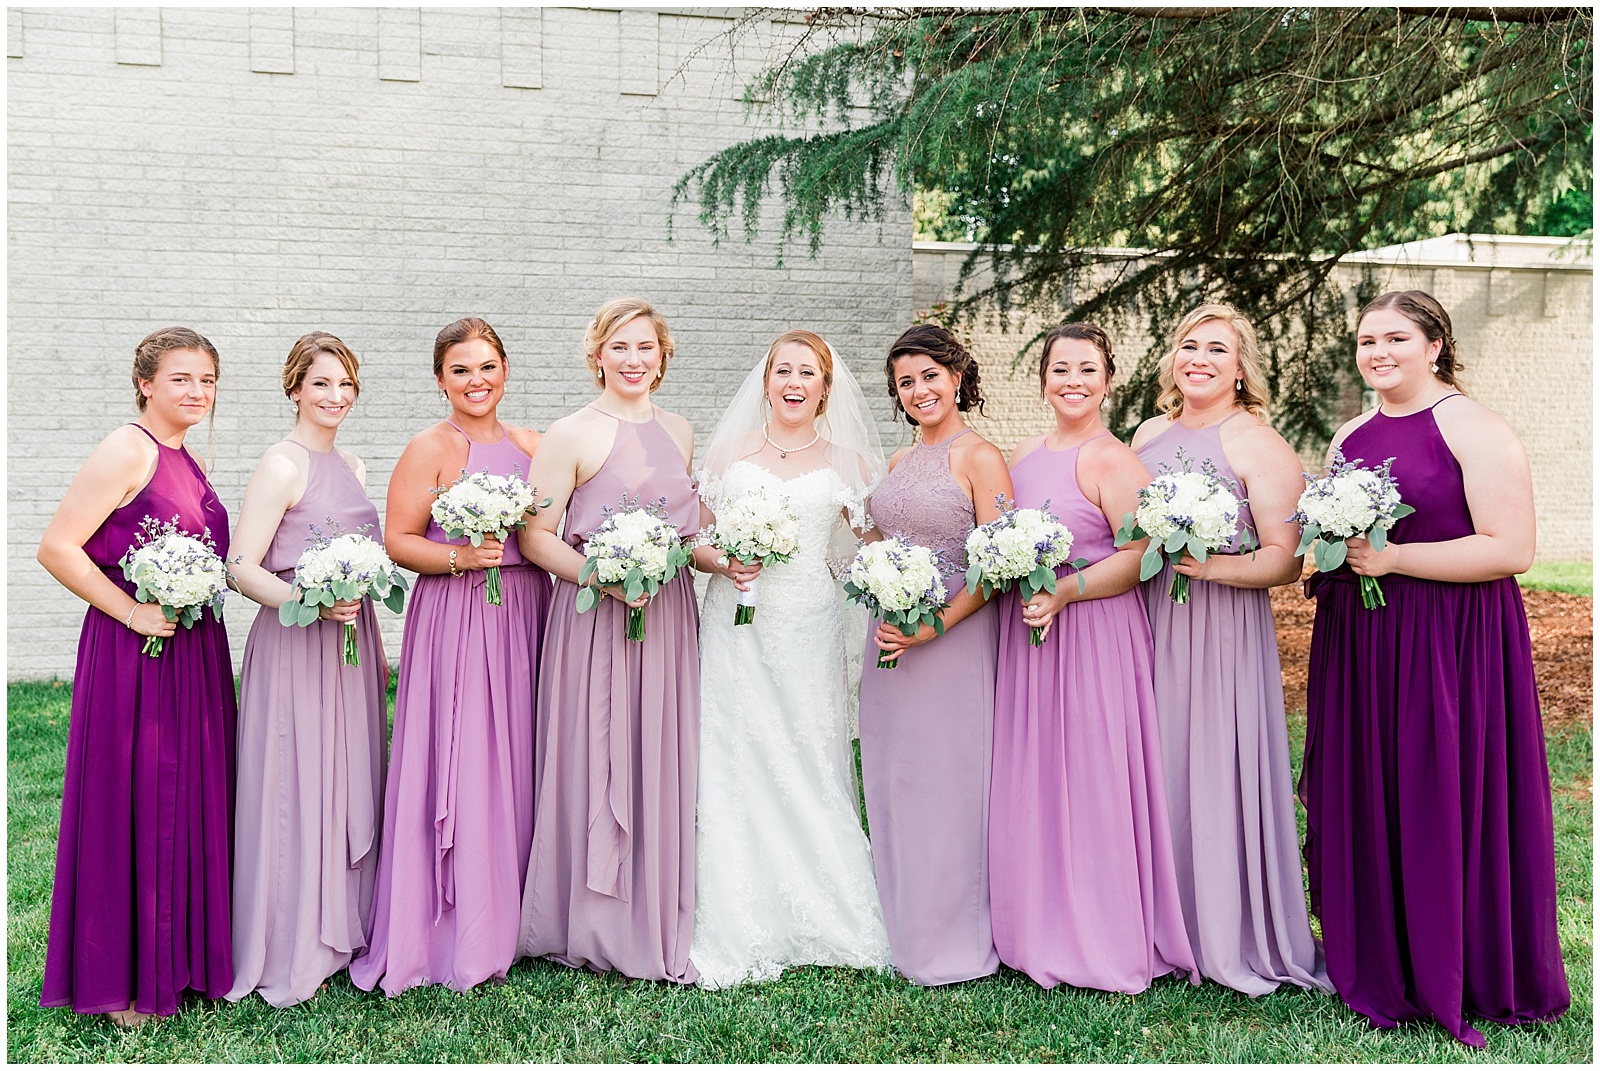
{"points": [[900, 583], [1349, 501], [350, 565], [1182, 512], [182, 573], [1021, 546], [756, 526], [636, 547], [480, 504]]}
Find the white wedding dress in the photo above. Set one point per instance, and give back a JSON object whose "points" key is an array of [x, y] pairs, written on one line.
{"points": [[783, 871]]}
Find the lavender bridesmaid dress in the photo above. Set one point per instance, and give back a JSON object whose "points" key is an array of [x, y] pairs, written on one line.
{"points": [[140, 908], [1080, 853], [458, 806], [611, 884], [925, 743], [1429, 832], [1225, 751], [312, 736]]}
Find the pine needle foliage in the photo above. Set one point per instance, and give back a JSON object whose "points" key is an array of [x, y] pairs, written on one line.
{"points": [[1235, 153]]}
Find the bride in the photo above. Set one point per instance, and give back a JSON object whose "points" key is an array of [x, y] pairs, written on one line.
{"points": [[783, 872]]}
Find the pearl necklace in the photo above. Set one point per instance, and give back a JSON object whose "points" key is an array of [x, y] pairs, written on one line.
{"points": [[783, 452]]}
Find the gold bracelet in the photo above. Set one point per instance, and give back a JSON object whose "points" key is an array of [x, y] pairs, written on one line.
{"points": [[453, 570]]}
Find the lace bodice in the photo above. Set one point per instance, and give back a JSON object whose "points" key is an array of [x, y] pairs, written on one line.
{"points": [[922, 503]]}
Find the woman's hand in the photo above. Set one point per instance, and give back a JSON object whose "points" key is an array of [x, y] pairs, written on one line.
{"points": [[1210, 569], [891, 640], [709, 559], [1040, 611], [149, 620], [1364, 561], [617, 593], [480, 557], [344, 611]]}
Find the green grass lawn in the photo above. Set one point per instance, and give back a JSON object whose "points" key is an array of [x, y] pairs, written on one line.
{"points": [[544, 1012], [1574, 578]]}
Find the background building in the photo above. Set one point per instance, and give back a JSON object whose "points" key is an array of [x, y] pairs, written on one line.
{"points": [[257, 173], [376, 172]]}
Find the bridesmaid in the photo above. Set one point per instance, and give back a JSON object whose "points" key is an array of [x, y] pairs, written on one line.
{"points": [[926, 724], [458, 806], [140, 909], [1218, 683], [311, 730], [611, 885], [1080, 851], [1429, 831]]}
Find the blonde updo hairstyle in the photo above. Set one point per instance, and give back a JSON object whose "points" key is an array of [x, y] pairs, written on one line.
{"points": [[813, 342], [1424, 310], [609, 319], [1253, 395], [306, 349], [153, 347]]}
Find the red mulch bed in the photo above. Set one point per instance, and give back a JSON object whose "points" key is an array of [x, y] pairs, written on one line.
{"points": [[1562, 627]]}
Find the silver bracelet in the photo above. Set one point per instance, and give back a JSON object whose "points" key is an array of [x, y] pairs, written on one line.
{"points": [[129, 622]]}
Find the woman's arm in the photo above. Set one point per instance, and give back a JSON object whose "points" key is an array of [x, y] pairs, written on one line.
{"points": [[275, 487], [1499, 486], [422, 466], [119, 467], [1270, 472], [981, 469], [1110, 475]]}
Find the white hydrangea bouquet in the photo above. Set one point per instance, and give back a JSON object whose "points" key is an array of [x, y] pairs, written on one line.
{"points": [[756, 526], [182, 573], [349, 565], [1349, 501], [900, 583], [1182, 512], [481, 504], [636, 547], [1021, 546]]}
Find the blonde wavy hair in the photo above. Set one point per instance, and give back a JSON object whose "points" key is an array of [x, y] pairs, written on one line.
{"points": [[611, 316], [1253, 396]]}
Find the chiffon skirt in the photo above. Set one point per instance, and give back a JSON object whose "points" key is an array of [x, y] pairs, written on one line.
{"points": [[140, 908], [611, 882], [458, 805], [1080, 852], [313, 736], [1430, 835], [926, 729], [1230, 791]]}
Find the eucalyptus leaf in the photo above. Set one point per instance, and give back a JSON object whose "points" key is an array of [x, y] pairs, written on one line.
{"points": [[1150, 562]]}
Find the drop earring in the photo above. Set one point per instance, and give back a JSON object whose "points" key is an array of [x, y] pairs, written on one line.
{"points": [[1238, 386]]}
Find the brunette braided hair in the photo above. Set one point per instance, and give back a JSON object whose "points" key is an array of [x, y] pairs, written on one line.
{"points": [[1424, 310]]}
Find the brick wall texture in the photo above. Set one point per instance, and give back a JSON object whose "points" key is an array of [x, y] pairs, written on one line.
{"points": [[1526, 335], [377, 173]]}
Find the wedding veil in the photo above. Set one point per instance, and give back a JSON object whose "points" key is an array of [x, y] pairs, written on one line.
{"points": [[849, 439]]}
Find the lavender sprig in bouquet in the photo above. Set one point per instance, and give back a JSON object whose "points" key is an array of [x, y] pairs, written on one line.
{"points": [[900, 583], [481, 504], [348, 565], [1349, 501], [1021, 546], [634, 546], [1183, 512], [181, 572]]}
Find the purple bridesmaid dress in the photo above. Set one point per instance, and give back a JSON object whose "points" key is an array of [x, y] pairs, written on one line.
{"points": [[611, 884], [458, 805], [1429, 832], [925, 736], [1080, 854], [312, 741], [1225, 752], [140, 909]]}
